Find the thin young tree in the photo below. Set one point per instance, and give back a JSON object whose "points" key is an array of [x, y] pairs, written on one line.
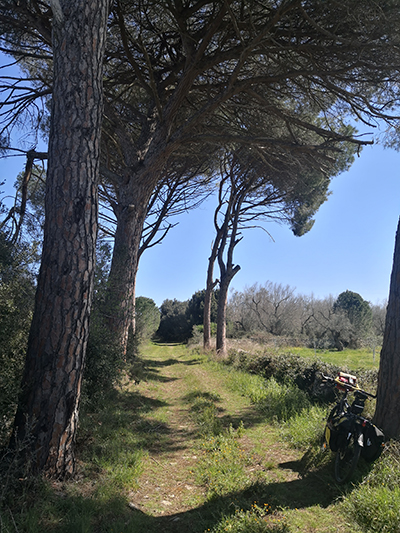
{"points": [[256, 187]]}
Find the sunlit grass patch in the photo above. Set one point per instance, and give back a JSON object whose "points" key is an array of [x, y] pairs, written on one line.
{"points": [[249, 385], [353, 359], [305, 429], [277, 401], [258, 519], [375, 504], [375, 509], [221, 467], [281, 401]]}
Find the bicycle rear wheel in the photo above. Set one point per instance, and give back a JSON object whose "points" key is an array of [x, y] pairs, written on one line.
{"points": [[347, 459]]}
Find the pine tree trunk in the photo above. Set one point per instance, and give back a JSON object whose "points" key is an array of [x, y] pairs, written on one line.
{"points": [[210, 285], [49, 404], [225, 282], [387, 414], [119, 306]]}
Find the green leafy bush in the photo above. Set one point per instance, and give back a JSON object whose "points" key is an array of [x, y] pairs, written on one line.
{"points": [[175, 325], [147, 317], [304, 372], [105, 362], [16, 305]]}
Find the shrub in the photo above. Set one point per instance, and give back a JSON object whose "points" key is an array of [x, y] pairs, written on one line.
{"points": [[147, 316], [105, 362], [302, 371], [174, 323], [16, 305]]}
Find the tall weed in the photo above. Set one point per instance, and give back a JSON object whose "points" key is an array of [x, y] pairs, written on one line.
{"points": [[282, 402], [305, 429]]}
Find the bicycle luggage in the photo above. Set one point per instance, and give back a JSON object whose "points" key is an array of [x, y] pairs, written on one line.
{"points": [[336, 431], [374, 442]]}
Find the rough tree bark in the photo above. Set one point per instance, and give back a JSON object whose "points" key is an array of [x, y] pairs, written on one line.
{"points": [[387, 414], [48, 409]]}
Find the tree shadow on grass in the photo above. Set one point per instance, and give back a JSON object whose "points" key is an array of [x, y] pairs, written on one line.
{"points": [[116, 514], [160, 363], [312, 489], [151, 369], [130, 413]]}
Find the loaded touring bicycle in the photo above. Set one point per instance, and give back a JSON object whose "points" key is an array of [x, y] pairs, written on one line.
{"points": [[347, 433]]}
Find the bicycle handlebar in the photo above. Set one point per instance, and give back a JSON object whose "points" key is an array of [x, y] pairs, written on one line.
{"points": [[348, 386]]}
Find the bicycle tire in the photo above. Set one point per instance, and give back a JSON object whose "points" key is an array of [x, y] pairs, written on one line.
{"points": [[347, 459]]}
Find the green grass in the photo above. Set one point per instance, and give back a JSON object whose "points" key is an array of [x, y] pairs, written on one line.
{"points": [[352, 359], [375, 503], [256, 520], [221, 467], [244, 487], [305, 428]]}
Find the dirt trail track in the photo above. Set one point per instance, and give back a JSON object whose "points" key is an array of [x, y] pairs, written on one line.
{"points": [[167, 485]]}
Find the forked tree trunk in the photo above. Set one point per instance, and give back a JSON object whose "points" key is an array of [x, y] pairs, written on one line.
{"points": [[48, 409], [387, 414]]}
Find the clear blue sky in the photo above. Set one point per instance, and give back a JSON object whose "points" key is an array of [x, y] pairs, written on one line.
{"points": [[350, 246]]}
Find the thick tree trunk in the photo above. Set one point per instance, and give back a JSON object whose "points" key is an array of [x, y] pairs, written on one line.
{"points": [[48, 409], [119, 306], [387, 414]]}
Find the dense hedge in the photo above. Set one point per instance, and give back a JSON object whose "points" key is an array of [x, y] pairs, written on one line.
{"points": [[302, 371]]}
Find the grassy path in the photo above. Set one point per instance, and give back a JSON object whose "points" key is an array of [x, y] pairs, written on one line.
{"points": [[170, 489]]}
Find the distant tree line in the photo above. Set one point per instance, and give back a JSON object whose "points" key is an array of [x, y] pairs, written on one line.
{"points": [[275, 311]]}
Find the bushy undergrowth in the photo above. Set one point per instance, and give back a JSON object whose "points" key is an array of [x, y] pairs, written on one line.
{"points": [[304, 372], [104, 363]]}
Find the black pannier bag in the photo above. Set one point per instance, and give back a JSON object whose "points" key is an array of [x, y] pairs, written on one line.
{"points": [[336, 431], [374, 442]]}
